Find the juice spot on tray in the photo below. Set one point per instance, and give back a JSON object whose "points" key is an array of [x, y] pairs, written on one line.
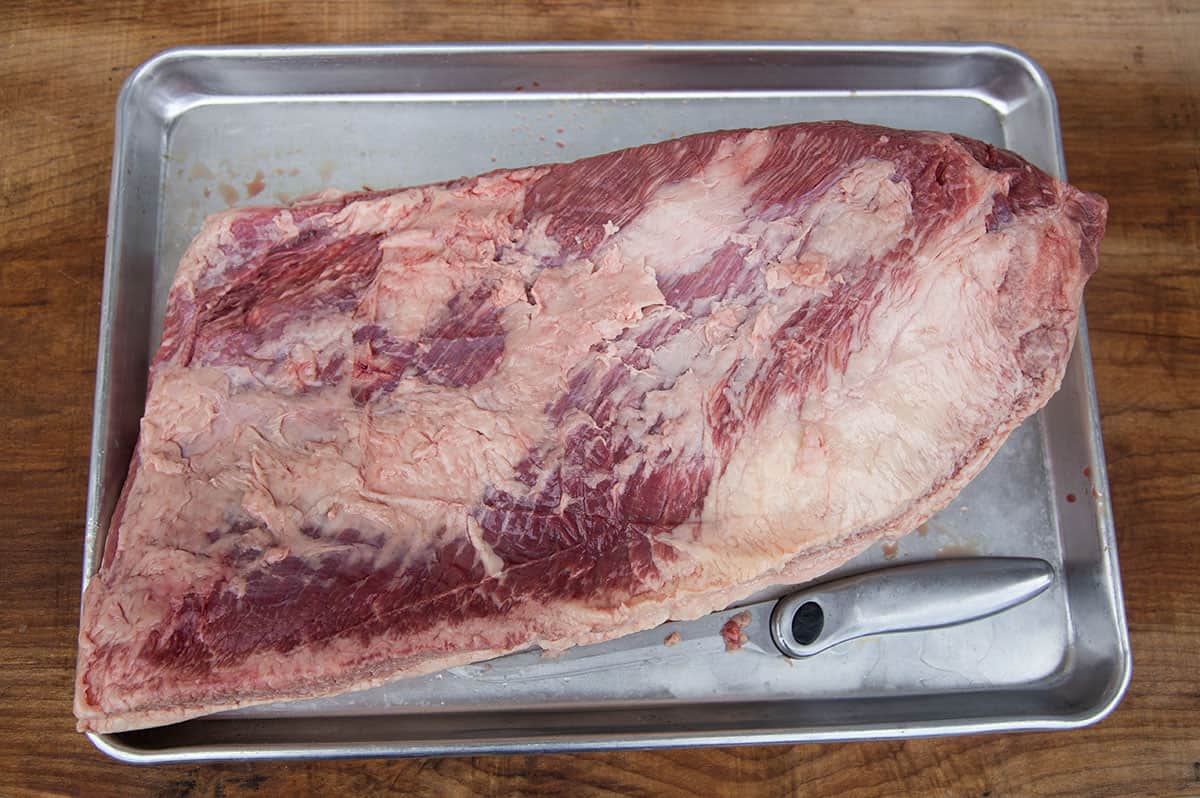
{"points": [[952, 550], [200, 171], [256, 186], [228, 193], [890, 550]]}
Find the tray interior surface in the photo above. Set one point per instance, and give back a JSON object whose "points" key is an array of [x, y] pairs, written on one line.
{"points": [[203, 130]]}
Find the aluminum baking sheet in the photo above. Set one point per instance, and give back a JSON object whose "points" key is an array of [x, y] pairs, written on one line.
{"points": [[201, 129]]}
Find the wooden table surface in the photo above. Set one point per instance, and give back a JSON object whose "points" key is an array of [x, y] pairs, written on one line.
{"points": [[1128, 81]]}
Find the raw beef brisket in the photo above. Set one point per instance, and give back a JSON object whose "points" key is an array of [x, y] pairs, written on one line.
{"points": [[394, 431]]}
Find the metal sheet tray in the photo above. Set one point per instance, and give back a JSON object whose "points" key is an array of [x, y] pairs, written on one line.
{"points": [[198, 129]]}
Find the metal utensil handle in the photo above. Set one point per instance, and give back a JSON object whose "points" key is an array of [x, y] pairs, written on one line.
{"points": [[922, 595]]}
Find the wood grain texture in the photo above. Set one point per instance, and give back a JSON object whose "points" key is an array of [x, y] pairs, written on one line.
{"points": [[1128, 81]]}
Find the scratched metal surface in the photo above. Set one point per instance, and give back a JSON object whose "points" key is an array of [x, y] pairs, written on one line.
{"points": [[201, 130]]}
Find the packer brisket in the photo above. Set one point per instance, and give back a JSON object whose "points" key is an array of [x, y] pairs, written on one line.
{"points": [[390, 432]]}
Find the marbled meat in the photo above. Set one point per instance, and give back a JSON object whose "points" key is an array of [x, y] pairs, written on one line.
{"points": [[390, 432]]}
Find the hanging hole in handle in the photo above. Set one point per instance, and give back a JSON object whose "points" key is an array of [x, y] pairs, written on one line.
{"points": [[808, 622]]}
